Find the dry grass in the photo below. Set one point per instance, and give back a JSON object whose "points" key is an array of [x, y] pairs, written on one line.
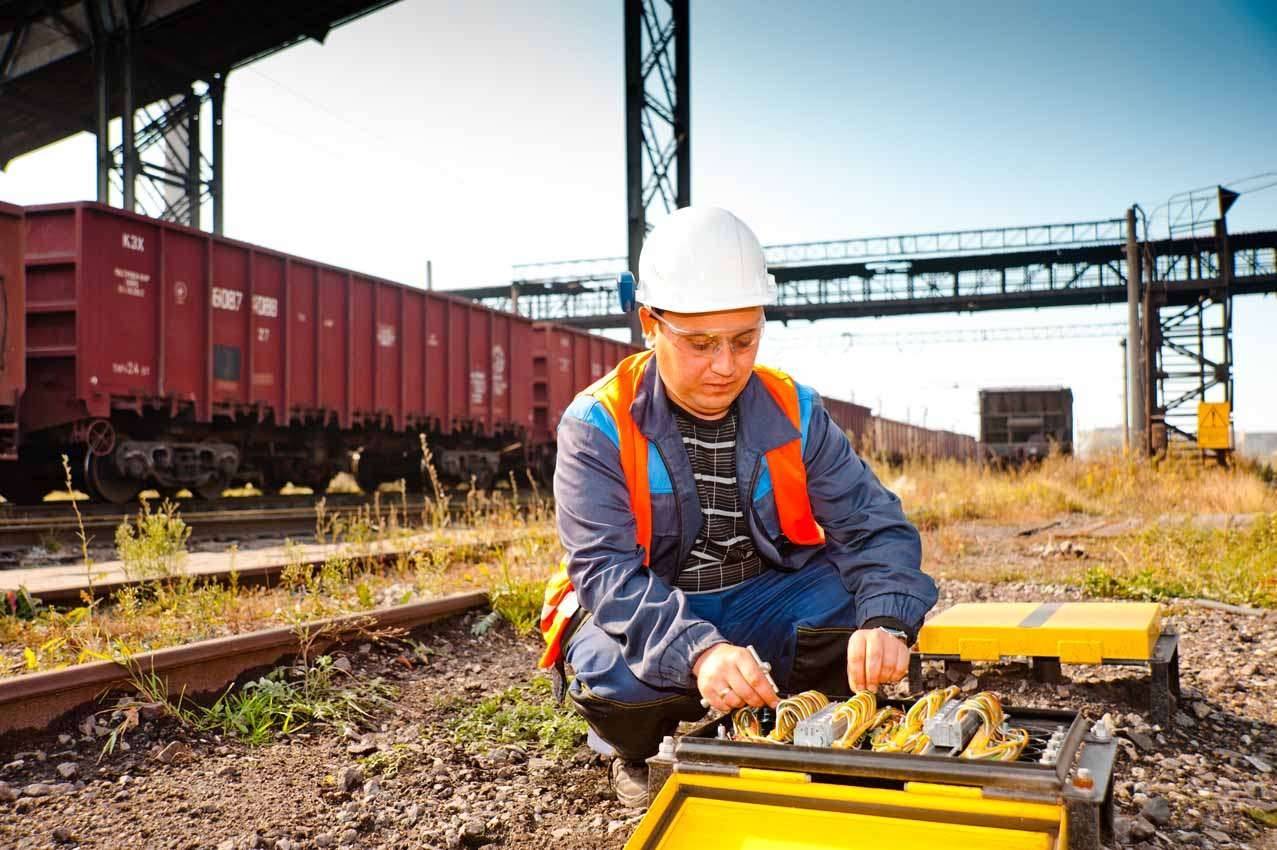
{"points": [[969, 515], [182, 609], [177, 608], [937, 494]]}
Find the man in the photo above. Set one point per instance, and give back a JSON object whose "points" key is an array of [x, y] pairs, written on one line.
{"points": [[711, 510]]}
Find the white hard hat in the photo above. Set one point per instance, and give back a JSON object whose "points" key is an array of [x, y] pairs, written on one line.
{"points": [[702, 260]]}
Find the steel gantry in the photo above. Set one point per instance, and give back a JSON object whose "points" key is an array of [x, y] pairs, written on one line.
{"points": [[1183, 293], [160, 68], [658, 125]]}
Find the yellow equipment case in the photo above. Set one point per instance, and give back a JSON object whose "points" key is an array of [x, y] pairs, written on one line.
{"points": [[709, 791], [1053, 633]]}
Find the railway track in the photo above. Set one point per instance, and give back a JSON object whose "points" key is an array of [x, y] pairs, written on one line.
{"points": [[36, 700], [231, 519]]}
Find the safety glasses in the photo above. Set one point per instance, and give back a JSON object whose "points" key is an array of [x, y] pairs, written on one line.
{"points": [[708, 343]]}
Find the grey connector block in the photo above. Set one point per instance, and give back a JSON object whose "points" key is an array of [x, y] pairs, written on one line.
{"points": [[820, 730], [946, 732]]}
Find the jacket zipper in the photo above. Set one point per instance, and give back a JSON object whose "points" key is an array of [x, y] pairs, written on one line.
{"points": [[749, 494]]}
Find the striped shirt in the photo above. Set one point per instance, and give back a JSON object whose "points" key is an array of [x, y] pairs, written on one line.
{"points": [[723, 554]]}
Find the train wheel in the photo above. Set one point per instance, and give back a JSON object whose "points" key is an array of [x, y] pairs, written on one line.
{"points": [[105, 483], [367, 476], [211, 489]]}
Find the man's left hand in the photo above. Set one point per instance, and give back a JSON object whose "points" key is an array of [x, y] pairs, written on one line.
{"points": [[875, 658]]}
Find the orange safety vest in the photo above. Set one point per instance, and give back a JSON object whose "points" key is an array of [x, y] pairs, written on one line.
{"points": [[616, 391]]}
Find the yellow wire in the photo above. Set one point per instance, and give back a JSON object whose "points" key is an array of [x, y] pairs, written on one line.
{"points": [[993, 740], [790, 711]]}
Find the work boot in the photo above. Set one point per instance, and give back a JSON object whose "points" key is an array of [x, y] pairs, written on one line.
{"points": [[629, 781]]}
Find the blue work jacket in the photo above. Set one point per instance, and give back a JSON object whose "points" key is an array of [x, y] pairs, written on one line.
{"points": [[877, 551]]}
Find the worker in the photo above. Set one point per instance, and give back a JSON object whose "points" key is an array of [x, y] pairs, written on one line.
{"points": [[715, 517]]}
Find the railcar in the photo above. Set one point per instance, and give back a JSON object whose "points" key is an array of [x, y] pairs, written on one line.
{"points": [[157, 356]]}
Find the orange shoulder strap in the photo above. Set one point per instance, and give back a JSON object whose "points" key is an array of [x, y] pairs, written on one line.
{"points": [[616, 393], [785, 463]]}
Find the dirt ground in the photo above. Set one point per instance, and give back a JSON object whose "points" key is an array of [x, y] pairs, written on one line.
{"points": [[1183, 787]]}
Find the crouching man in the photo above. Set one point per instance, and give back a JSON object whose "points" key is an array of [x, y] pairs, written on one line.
{"points": [[708, 505]]}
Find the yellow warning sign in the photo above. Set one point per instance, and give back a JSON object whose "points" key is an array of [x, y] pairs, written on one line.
{"points": [[1212, 426]]}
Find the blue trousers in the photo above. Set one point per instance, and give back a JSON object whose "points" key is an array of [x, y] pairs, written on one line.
{"points": [[799, 621]]}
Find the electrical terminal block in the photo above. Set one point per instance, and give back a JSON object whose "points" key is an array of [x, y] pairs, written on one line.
{"points": [[949, 732], [821, 729]]}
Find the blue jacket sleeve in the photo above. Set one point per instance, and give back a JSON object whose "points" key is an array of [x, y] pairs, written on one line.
{"points": [[876, 550], [650, 620]]}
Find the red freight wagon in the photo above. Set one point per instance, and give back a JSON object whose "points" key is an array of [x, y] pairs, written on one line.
{"points": [[167, 357], [852, 418], [565, 361], [12, 329]]}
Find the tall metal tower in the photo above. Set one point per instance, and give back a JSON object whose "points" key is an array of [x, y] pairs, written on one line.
{"points": [[1189, 347], [658, 127], [158, 168]]}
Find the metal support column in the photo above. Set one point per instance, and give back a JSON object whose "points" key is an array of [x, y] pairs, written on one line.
{"points": [[1135, 390], [101, 96], [657, 118], [128, 110], [194, 186], [1126, 402], [217, 93]]}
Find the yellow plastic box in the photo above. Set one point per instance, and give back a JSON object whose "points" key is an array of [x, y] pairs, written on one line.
{"points": [[1073, 632]]}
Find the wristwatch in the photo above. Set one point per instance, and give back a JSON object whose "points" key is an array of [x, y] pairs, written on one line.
{"points": [[898, 634]]}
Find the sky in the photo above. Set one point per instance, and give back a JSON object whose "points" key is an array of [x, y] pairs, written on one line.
{"points": [[483, 134]]}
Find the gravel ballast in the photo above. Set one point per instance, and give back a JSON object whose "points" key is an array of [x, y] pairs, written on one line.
{"points": [[1190, 786]]}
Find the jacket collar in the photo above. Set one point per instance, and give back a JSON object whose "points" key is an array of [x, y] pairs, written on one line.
{"points": [[761, 426]]}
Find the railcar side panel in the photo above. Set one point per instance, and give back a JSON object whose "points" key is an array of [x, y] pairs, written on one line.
{"points": [[363, 341], [518, 358], [333, 339], [228, 311], [266, 338], [457, 363], [118, 312], [13, 324], [388, 352], [438, 374], [413, 351], [302, 323], [478, 369], [182, 367]]}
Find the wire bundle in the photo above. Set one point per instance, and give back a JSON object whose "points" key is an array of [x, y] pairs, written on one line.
{"points": [[994, 740], [790, 711], [886, 723], [747, 726], [860, 716], [908, 735]]}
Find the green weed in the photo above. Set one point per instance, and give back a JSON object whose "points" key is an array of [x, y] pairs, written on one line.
{"points": [[282, 702], [386, 763], [153, 545], [523, 714]]}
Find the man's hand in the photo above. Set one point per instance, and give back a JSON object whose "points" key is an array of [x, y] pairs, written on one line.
{"points": [[875, 658], [729, 677]]}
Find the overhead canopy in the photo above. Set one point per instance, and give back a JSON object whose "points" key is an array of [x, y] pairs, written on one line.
{"points": [[46, 53]]}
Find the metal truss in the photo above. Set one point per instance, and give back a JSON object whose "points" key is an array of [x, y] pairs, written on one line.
{"points": [[1190, 345], [1059, 275], [966, 335], [954, 242], [658, 125], [165, 172]]}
